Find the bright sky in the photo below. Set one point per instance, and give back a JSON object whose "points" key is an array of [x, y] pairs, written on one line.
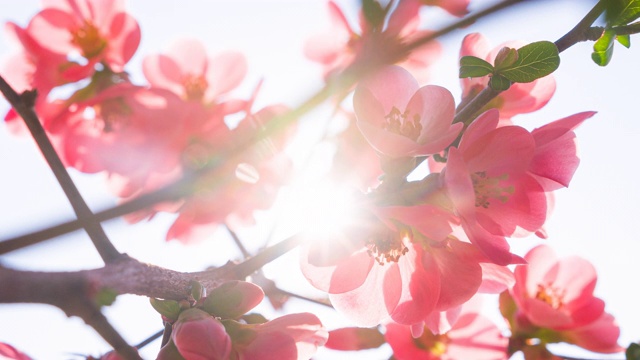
{"points": [[595, 218]]}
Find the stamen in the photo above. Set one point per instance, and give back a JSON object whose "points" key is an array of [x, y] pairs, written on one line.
{"points": [[89, 40], [401, 124], [488, 188], [388, 247], [435, 344], [194, 87], [551, 295]]}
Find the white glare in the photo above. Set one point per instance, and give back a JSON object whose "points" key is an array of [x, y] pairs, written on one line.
{"points": [[319, 209]]}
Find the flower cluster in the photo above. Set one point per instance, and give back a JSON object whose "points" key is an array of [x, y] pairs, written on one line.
{"points": [[147, 136], [428, 246], [413, 259]]}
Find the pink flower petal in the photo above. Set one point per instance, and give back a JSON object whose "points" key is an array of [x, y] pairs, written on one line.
{"points": [[224, 73], [371, 303]]}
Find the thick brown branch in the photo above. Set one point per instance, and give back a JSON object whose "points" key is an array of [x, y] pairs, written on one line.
{"points": [[125, 276]]}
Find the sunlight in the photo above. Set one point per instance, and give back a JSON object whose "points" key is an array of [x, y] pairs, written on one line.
{"points": [[318, 208]]}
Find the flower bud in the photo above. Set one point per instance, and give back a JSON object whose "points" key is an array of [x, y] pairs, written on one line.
{"points": [[233, 299], [199, 336]]}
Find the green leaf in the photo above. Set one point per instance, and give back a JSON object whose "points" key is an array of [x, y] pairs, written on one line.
{"points": [[624, 40], [633, 352], [168, 308], [506, 57], [499, 83], [471, 66], [535, 60], [622, 12], [603, 48]]}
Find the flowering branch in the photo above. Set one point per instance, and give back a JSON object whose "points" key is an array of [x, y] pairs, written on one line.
{"points": [[23, 104], [182, 187]]}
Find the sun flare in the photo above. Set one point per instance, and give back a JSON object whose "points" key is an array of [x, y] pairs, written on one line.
{"points": [[319, 209]]}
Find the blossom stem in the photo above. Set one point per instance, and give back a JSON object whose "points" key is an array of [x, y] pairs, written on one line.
{"points": [[301, 297], [467, 114], [237, 241], [23, 104]]}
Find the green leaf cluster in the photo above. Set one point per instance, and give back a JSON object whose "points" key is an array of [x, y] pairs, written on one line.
{"points": [[526, 64], [617, 13]]}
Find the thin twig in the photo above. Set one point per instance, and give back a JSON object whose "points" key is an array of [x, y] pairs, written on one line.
{"points": [[23, 104], [149, 340], [237, 241]]}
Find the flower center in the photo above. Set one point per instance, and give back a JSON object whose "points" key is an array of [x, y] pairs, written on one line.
{"points": [[403, 124], [388, 246], [89, 40], [550, 295], [114, 114], [435, 344], [488, 188], [194, 86]]}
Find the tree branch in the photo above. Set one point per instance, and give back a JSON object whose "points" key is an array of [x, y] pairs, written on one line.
{"points": [[23, 104], [581, 32]]}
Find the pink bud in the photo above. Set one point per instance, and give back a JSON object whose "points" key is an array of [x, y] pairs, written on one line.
{"points": [[199, 336], [233, 299]]}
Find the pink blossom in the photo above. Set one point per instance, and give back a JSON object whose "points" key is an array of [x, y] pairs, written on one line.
{"points": [[520, 98], [290, 337], [342, 45], [10, 353], [556, 293], [129, 131], [100, 31], [199, 336], [498, 177], [395, 262], [487, 182], [188, 72], [472, 337], [36, 67], [599, 336], [257, 174], [400, 119]]}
